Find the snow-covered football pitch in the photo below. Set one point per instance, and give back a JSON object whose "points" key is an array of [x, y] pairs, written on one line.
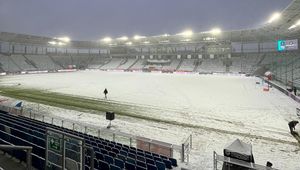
{"points": [[217, 108]]}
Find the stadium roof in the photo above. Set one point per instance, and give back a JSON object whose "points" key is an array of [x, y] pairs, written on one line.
{"points": [[287, 26]]}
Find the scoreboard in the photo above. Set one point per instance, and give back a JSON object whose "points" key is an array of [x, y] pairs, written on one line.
{"points": [[286, 45]]}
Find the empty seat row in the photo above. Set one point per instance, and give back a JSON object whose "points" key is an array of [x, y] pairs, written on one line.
{"points": [[110, 152]]}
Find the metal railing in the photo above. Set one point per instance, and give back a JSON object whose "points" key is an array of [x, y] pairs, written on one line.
{"points": [[27, 149]]}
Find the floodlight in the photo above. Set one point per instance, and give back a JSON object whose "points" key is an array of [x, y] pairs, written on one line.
{"points": [[164, 41], [128, 43], [166, 35], [146, 42], [52, 42], [185, 40], [64, 39], [274, 17], [215, 31], [295, 25], [106, 39], [124, 38], [61, 43], [137, 37], [292, 27], [186, 33]]}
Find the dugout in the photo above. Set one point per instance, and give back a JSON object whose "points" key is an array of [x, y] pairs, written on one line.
{"points": [[238, 150]]}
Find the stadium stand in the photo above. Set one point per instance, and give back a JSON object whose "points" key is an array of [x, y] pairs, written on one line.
{"points": [[173, 65], [139, 65], [187, 65], [8, 64], [18, 130], [112, 64], [96, 62], [211, 66], [22, 62], [43, 62], [64, 61], [127, 64]]}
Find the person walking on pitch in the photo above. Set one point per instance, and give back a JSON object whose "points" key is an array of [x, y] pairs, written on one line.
{"points": [[105, 93]]}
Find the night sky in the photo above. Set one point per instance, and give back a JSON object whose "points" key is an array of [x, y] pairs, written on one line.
{"points": [[94, 19]]}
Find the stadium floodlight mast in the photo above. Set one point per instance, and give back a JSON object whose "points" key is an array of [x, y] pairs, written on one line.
{"points": [[106, 39], [138, 37], [215, 31], [275, 16], [295, 25], [123, 38], [186, 33]]}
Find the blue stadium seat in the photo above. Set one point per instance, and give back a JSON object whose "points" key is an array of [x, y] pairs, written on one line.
{"points": [[119, 163], [142, 164], [150, 161], [115, 150], [122, 152], [109, 159], [173, 161], [131, 155], [141, 158], [140, 168], [131, 160], [129, 166], [160, 165], [103, 165], [114, 167], [103, 151], [99, 155], [151, 167], [112, 154], [167, 163], [122, 157]]}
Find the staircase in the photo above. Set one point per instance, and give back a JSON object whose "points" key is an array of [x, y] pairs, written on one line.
{"points": [[179, 65], [29, 62], [55, 62], [133, 64], [197, 64]]}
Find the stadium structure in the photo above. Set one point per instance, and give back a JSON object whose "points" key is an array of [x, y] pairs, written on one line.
{"points": [[272, 48]]}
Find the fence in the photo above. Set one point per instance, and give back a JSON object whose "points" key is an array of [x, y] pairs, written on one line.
{"points": [[177, 151], [227, 163]]}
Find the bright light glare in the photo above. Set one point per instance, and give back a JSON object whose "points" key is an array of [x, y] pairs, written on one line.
{"points": [[137, 37], [166, 35], [146, 42], [52, 42], [274, 17], [61, 43], [215, 31], [106, 39], [186, 33], [295, 25], [186, 40], [129, 43], [64, 39], [124, 38]]}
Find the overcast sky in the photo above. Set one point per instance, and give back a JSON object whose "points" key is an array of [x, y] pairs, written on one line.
{"points": [[94, 19]]}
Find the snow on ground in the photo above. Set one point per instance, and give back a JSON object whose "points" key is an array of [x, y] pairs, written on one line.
{"points": [[235, 104]]}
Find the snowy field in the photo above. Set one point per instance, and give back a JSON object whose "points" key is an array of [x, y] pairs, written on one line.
{"points": [[224, 107]]}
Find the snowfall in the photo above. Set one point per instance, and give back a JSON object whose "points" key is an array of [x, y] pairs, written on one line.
{"points": [[226, 107]]}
